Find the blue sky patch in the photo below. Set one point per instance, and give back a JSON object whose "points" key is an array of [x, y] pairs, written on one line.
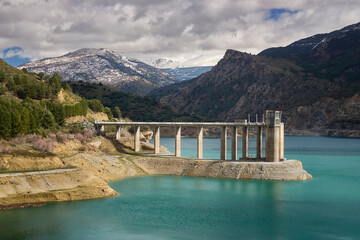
{"points": [[275, 13], [13, 56]]}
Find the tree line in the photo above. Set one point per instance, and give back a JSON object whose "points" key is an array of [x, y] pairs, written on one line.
{"points": [[34, 110]]}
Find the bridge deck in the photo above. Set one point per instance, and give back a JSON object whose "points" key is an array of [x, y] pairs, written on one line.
{"points": [[183, 124]]}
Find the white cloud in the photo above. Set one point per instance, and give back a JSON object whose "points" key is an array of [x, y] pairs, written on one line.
{"points": [[148, 29]]}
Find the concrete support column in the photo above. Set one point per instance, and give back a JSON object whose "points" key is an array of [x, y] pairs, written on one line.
{"points": [[245, 142], [178, 141], [137, 146], [234, 143], [101, 129], [281, 142], [157, 140], [200, 142], [258, 142], [117, 133], [223, 142], [272, 144], [273, 133]]}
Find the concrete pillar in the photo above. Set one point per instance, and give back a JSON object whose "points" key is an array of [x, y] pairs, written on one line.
{"points": [[273, 125], [178, 141], [245, 142], [272, 144], [200, 142], [117, 133], [101, 129], [157, 140], [281, 142], [137, 146], [234, 143], [258, 142], [223, 142]]}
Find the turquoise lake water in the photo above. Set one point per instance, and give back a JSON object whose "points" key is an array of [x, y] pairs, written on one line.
{"points": [[175, 207]]}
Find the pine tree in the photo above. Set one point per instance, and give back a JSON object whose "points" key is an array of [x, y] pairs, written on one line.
{"points": [[108, 112], [47, 120], [5, 121], [2, 76], [15, 121], [117, 112]]}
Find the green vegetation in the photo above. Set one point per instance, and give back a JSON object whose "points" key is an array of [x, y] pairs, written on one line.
{"points": [[29, 103], [135, 107]]}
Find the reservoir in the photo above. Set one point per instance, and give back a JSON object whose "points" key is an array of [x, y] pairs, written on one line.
{"points": [[176, 207]]}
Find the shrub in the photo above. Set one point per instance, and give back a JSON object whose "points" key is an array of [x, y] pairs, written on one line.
{"points": [[52, 136], [81, 138], [83, 148], [89, 133], [87, 148], [75, 127], [18, 140], [4, 148], [44, 145], [30, 138], [61, 137]]}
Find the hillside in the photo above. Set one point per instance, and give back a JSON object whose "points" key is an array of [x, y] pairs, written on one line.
{"points": [[133, 106], [105, 66], [318, 90], [41, 104]]}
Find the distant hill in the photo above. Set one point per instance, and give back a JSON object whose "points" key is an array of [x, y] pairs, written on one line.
{"points": [[133, 106], [188, 72], [181, 70], [105, 66], [315, 81]]}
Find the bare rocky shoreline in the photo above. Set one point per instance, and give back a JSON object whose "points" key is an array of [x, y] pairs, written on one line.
{"points": [[84, 175]]}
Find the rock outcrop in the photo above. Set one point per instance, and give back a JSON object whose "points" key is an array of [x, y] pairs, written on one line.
{"points": [[288, 170]]}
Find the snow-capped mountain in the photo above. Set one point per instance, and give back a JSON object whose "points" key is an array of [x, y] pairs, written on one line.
{"points": [[187, 73], [181, 70], [164, 63], [105, 66]]}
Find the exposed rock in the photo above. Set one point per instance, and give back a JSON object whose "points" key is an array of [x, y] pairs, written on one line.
{"points": [[23, 163], [146, 136], [55, 185], [84, 175], [288, 170]]}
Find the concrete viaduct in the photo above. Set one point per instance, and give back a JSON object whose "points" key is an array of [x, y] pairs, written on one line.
{"points": [[274, 136]]}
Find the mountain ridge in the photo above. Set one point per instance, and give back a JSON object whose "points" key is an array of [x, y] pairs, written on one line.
{"points": [[318, 91], [105, 66]]}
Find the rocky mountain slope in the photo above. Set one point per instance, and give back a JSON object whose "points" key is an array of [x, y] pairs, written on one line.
{"points": [[105, 66], [317, 87]]}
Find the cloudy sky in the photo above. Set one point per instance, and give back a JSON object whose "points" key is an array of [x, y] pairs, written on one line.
{"points": [[200, 30]]}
